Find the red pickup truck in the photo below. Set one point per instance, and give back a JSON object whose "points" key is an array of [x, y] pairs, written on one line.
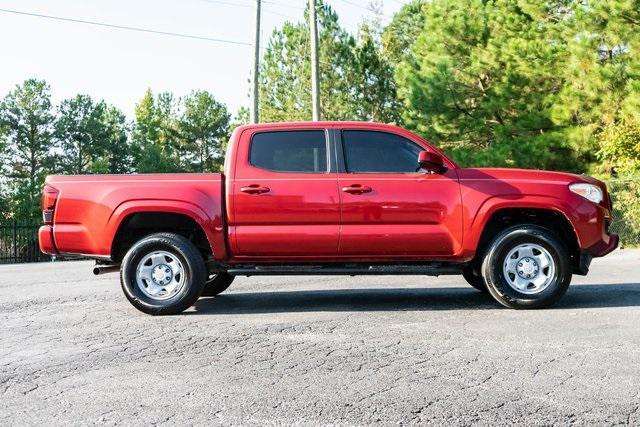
{"points": [[331, 198]]}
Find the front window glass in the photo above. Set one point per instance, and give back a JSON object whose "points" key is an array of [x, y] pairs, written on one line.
{"points": [[371, 151]]}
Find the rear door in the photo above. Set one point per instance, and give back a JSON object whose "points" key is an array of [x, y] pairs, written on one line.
{"points": [[389, 209], [285, 200]]}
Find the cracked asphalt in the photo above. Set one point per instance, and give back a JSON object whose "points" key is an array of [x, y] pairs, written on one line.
{"points": [[319, 350]]}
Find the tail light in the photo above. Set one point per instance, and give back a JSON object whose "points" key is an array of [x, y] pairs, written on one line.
{"points": [[49, 198]]}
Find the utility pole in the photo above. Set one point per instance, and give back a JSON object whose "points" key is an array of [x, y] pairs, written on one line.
{"points": [[315, 75], [254, 114]]}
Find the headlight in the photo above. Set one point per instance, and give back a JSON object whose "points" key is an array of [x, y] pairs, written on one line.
{"points": [[588, 191]]}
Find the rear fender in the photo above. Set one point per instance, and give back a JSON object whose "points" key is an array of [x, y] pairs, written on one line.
{"points": [[213, 228]]}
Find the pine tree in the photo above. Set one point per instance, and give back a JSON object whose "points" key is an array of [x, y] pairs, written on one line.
{"points": [[27, 118], [81, 135], [482, 79], [117, 155], [204, 129], [155, 140], [356, 82]]}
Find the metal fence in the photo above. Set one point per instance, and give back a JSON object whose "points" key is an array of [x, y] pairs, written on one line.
{"points": [[19, 242]]}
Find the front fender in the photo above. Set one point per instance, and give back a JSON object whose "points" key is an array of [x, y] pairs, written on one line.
{"points": [[576, 214]]}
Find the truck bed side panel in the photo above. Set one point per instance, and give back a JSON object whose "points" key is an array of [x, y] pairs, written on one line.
{"points": [[91, 208]]}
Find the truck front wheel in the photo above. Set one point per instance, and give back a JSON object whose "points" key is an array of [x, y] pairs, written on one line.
{"points": [[164, 273], [527, 266]]}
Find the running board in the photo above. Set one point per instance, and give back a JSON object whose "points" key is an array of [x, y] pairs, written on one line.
{"points": [[355, 270]]}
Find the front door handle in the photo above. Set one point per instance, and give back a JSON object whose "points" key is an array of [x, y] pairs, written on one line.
{"points": [[254, 189], [357, 189]]}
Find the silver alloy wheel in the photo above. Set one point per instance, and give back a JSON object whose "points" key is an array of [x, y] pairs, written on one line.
{"points": [[529, 268], [160, 275]]}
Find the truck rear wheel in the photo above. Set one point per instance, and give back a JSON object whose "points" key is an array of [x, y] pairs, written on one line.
{"points": [[527, 266], [217, 284], [474, 279], [164, 273]]}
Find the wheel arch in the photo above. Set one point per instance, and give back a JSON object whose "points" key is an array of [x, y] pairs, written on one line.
{"points": [[549, 218], [134, 219]]}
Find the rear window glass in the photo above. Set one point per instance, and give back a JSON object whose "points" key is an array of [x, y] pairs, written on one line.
{"points": [[290, 151]]}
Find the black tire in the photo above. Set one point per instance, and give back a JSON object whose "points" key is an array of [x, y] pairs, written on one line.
{"points": [[192, 263], [493, 267], [474, 279], [217, 284]]}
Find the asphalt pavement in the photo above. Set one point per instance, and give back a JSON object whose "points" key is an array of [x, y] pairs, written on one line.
{"points": [[317, 351]]}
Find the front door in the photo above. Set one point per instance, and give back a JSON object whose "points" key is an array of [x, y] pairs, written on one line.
{"points": [[284, 196], [389, 209]]}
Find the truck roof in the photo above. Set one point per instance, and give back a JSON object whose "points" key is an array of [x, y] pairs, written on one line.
{"points": [[320, 125], [337, 124]]}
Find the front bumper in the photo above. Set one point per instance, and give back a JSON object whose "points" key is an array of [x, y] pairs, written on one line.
{"points": [[601, 248], [45, 238]]}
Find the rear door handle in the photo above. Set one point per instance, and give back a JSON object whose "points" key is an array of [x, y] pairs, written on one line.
{"points": [[357, 189], [255, 189]]}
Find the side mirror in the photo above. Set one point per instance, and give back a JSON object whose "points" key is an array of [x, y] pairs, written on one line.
{"points": [[431, 162]]}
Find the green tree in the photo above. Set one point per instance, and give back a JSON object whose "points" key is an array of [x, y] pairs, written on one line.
{"points": [[602, 78], [240, 118], [117, 154], [620, 148], [204, 128], [373, 82], [402, 32], [355, 82], [5, 211], [156, 137], [4, 200], [27, 117], [285, 75], [4, 134], [482, 79], [81, 135]]}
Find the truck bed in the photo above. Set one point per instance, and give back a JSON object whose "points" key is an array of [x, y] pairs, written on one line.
{"points": [[91, 208]]}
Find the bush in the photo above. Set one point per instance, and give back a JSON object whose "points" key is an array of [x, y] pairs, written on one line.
{"points": [[620, 147], [625, 194]]}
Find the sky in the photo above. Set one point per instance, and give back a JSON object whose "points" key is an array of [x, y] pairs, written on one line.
{"points": [[119, 65]]}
